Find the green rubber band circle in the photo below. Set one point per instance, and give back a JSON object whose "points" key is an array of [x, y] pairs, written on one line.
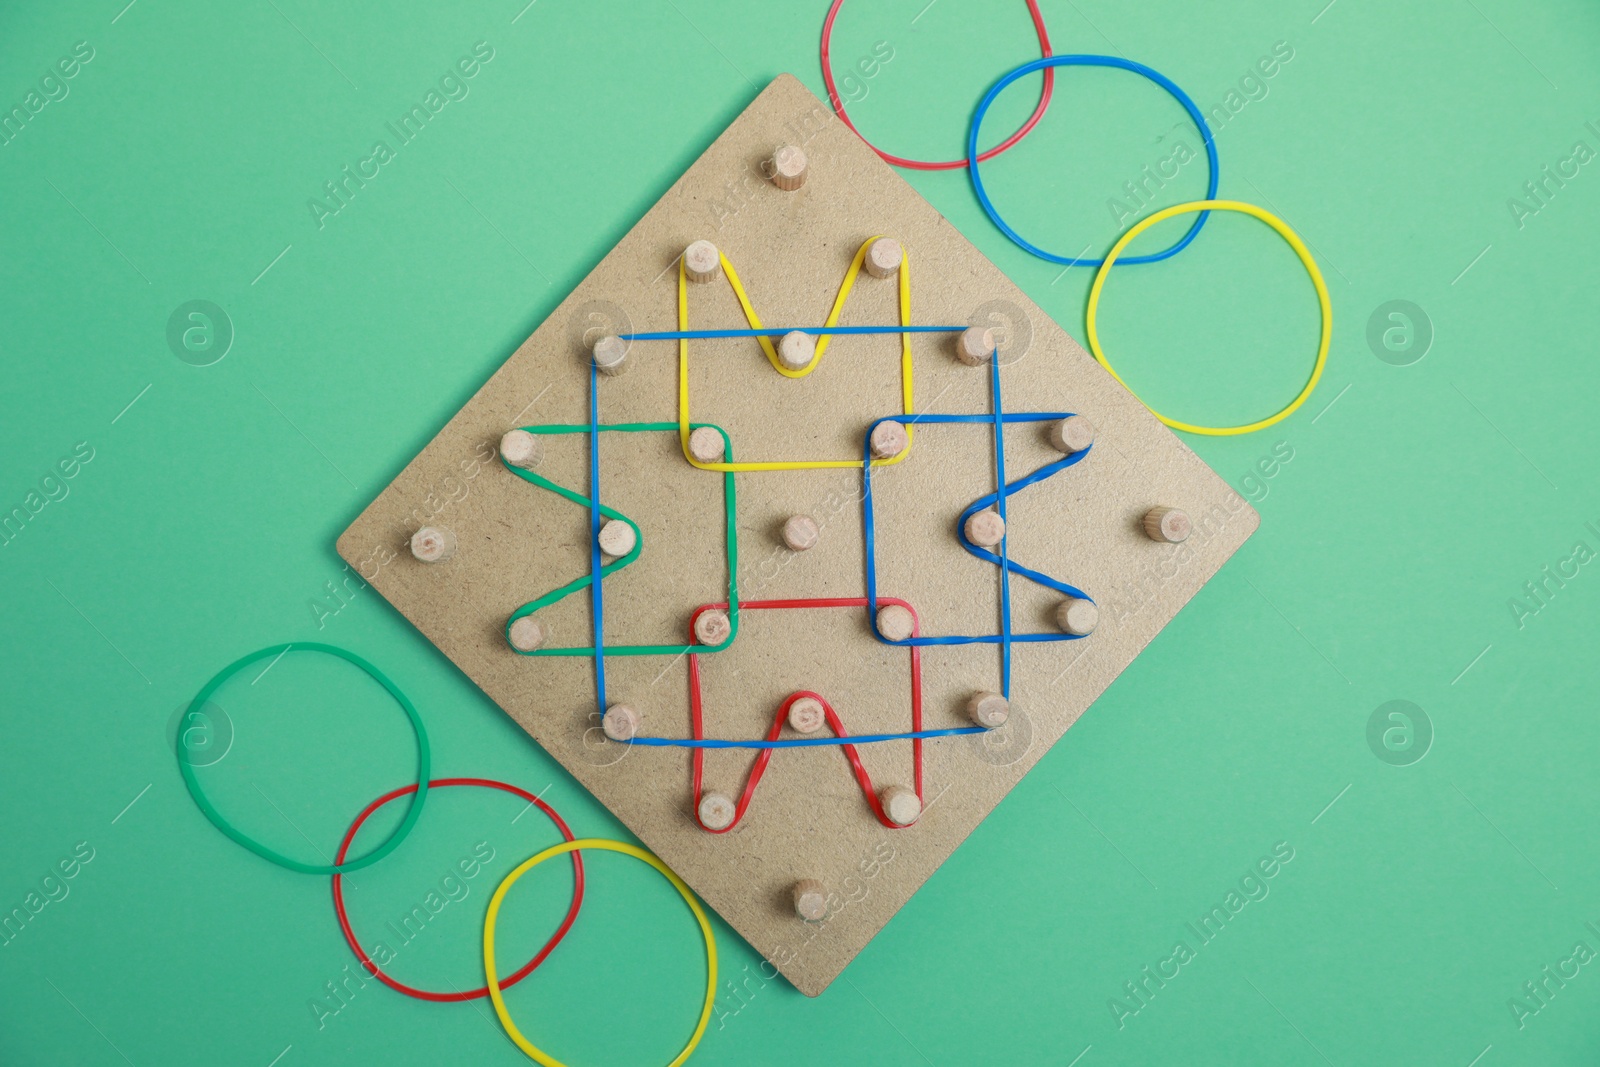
{"points": [[413, 810]]}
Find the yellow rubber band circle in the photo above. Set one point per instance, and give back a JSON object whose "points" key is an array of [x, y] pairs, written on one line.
{"points": [[1300, 250], [600, 844]]}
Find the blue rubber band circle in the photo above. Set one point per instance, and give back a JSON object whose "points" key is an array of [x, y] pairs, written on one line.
{"points": [[1118, 63]]}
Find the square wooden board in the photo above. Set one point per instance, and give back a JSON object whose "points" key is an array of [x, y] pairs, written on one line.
{"points": [[809, 818]]}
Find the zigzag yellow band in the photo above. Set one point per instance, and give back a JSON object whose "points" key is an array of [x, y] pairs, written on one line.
{"points": [[772, 357]]}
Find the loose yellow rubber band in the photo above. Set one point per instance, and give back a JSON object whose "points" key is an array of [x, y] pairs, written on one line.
{"points": [[599, 844], [772, 357], [1300, 250]]}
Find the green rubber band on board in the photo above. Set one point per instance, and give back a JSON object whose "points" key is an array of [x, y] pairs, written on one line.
{"points": [[413, 810], [730, 510]]}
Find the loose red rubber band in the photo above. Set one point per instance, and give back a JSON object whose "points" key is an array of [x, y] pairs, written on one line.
{"points": [[527, 968], [954, 164]]}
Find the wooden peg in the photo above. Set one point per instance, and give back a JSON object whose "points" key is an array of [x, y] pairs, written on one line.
{"points": [[706, 445], [807, 715], [1167, 525], [620, 722], [716, 811], [901, 805], [796, 349], [985, 528], [810, 900], [889, 439], [883, 258], [988, 710], [896, 623], [1077, 616], [712, 627], [610, 355], [975, 345], [433, 544], [526, 635], [1072, 434], [521, 449], [787, 167], [617, 538], [702, 262], [800, 532]]}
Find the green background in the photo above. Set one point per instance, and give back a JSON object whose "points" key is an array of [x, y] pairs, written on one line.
{"points": [[1418, 502]]}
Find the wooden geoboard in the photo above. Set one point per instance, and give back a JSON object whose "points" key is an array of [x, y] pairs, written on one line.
{"points": [[809, 819]]}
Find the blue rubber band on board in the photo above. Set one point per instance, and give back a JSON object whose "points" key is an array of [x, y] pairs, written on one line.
{"points": [[998, 419], [1090, 61], [815, 331], [803, 742], [595, 577], [1000, 506]]}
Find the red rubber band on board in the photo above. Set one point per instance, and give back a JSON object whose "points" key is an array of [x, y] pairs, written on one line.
{"points": [[834, 722], [473, 994], [954, 164]]}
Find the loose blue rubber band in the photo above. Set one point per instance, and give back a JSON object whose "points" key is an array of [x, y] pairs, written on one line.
{"points": [[1090, 61]]}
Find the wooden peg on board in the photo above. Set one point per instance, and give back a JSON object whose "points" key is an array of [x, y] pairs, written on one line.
{"points": [[521, 449], [896, 623], [883, 258], [1167, 525], [620, 722], [526, 635], [796, 350], [1077, 616], [702, 262], [706, 445], [988, 710], [712, 627], [617, 538], [716, 811], [800, 532], [806, 715], [901, 805], [889, 439], [787, 168], [610, 355], [1072, 434], [985, 528], [810, 900], [433, 544], [975, 345]]}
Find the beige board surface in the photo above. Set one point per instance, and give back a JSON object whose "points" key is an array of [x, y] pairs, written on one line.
{"points": [[809, 818]]}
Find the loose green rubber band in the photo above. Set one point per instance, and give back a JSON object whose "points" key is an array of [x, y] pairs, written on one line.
{"points": [[413, 810]]}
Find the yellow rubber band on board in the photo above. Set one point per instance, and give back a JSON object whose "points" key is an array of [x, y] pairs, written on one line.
{"points": [[772, 357], [1300, 250], [597, 844]]}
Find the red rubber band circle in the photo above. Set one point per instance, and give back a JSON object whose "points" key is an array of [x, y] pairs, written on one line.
{"points": [[954, 164], [527, 968]]}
